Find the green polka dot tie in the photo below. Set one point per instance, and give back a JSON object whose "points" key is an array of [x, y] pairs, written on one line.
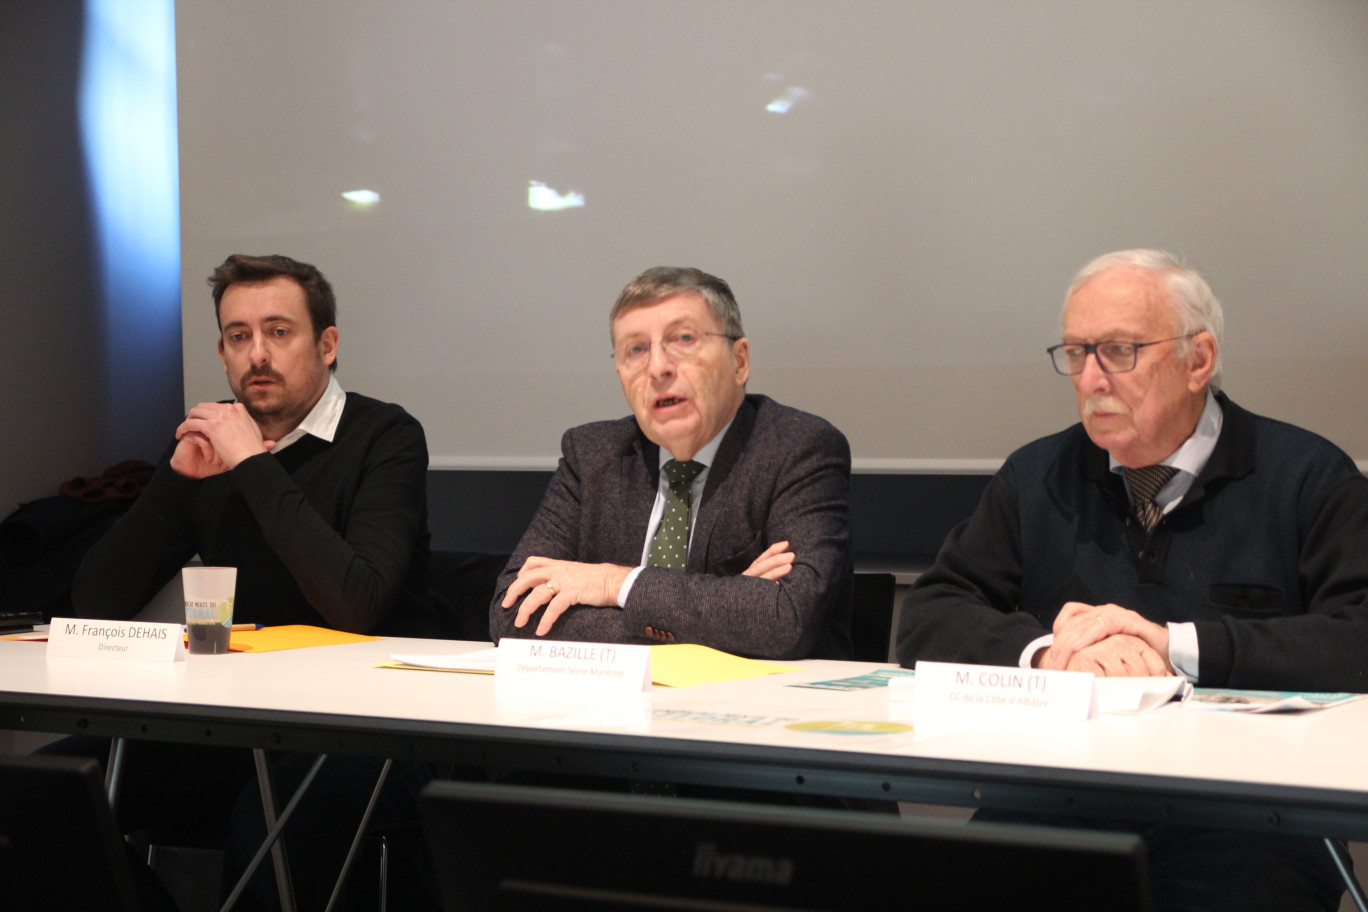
{"points": [[670, 547]]}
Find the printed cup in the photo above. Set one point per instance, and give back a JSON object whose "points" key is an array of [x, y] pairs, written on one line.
{"points": [[209, 607]]}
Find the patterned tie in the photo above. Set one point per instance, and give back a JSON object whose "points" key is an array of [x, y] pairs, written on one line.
{"points": [[670, 547], [1145, 482]]}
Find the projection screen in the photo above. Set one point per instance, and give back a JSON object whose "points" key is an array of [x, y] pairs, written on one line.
{"points": [[899, 193]]}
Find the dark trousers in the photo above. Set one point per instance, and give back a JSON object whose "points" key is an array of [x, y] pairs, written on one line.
{"points": [[1195, 869]]}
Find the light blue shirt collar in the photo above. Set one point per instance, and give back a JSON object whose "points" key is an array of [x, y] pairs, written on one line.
{"points": [[706, 454], [1190, 458]]}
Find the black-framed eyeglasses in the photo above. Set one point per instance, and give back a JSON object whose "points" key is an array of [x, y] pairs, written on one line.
{"points": [[1112, 357], [678, 344]]}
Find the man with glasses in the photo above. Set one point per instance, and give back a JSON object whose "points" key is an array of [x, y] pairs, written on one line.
{"points": [[1171, 532], [710, 516]]}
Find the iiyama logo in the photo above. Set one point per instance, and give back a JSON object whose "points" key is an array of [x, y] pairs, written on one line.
{"points": [[710, 864]]}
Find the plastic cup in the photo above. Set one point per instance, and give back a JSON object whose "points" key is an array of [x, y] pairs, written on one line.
{"points": [[209, 607]]}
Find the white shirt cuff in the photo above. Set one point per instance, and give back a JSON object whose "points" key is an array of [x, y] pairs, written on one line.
{"points": [[1033, 647], [1183, 649], [626, 589]]}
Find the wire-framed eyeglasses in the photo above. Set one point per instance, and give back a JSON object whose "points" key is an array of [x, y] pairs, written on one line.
{"points": [[1112, 357], [678, 344]]}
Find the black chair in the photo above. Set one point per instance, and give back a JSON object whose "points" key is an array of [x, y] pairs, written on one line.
{"points": [[871, 626], [462, 584], [59, 848]]}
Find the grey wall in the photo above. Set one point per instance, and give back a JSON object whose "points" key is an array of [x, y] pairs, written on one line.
{"points": [[59, 368], [51, 422], [47, 348]]}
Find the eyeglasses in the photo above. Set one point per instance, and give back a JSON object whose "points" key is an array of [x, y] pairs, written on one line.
{"points": [[1112, 357], [678, 344]]}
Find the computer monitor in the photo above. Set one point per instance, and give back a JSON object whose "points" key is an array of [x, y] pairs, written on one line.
{"points": [[526, 848], [59, 848]]}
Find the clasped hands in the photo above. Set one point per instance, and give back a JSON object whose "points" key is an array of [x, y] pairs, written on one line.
{"points": [[1107, 640], [560, 584], [214, 438]]}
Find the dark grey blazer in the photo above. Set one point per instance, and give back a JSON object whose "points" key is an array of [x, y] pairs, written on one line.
{"points": [[780, 475]]}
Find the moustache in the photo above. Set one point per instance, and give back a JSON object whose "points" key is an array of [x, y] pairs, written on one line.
{"points": [[1094, 404], [265, 371]]}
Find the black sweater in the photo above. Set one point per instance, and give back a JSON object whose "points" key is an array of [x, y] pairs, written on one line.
{"points": [[1267, 554], [330, 534]]}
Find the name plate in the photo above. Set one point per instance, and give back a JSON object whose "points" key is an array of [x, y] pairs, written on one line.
{"points": [[132, 641], [954, 689], [559, 663]]}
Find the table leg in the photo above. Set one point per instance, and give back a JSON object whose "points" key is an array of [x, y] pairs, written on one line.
{"points": [[114, 772], [360, 833], [1338, 853], [273, 836], [268, 810]]}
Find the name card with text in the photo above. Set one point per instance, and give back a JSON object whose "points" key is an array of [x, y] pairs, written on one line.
{"points": [[955, 689], [558, 663], [132, 641]]}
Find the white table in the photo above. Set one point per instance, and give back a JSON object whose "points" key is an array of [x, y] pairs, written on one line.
{"points": [[1289, 774]]}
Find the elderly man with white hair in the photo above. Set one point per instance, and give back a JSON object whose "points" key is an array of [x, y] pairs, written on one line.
{"points": [[1169, 532]]}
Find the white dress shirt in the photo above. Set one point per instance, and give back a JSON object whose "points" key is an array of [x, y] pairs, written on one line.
{"points": [[705, 455], [322, 419]]}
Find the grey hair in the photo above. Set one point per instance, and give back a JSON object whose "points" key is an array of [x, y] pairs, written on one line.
{"points": [[665, 281], [1195, 307]]}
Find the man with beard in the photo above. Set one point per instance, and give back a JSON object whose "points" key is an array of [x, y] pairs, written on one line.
{"points": [[318, 498]]}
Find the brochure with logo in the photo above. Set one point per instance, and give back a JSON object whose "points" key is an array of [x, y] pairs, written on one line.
{"points": [[1264, 701]]}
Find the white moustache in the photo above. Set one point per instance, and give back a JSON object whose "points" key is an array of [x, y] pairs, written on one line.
{"points": [[1096, 404]]}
